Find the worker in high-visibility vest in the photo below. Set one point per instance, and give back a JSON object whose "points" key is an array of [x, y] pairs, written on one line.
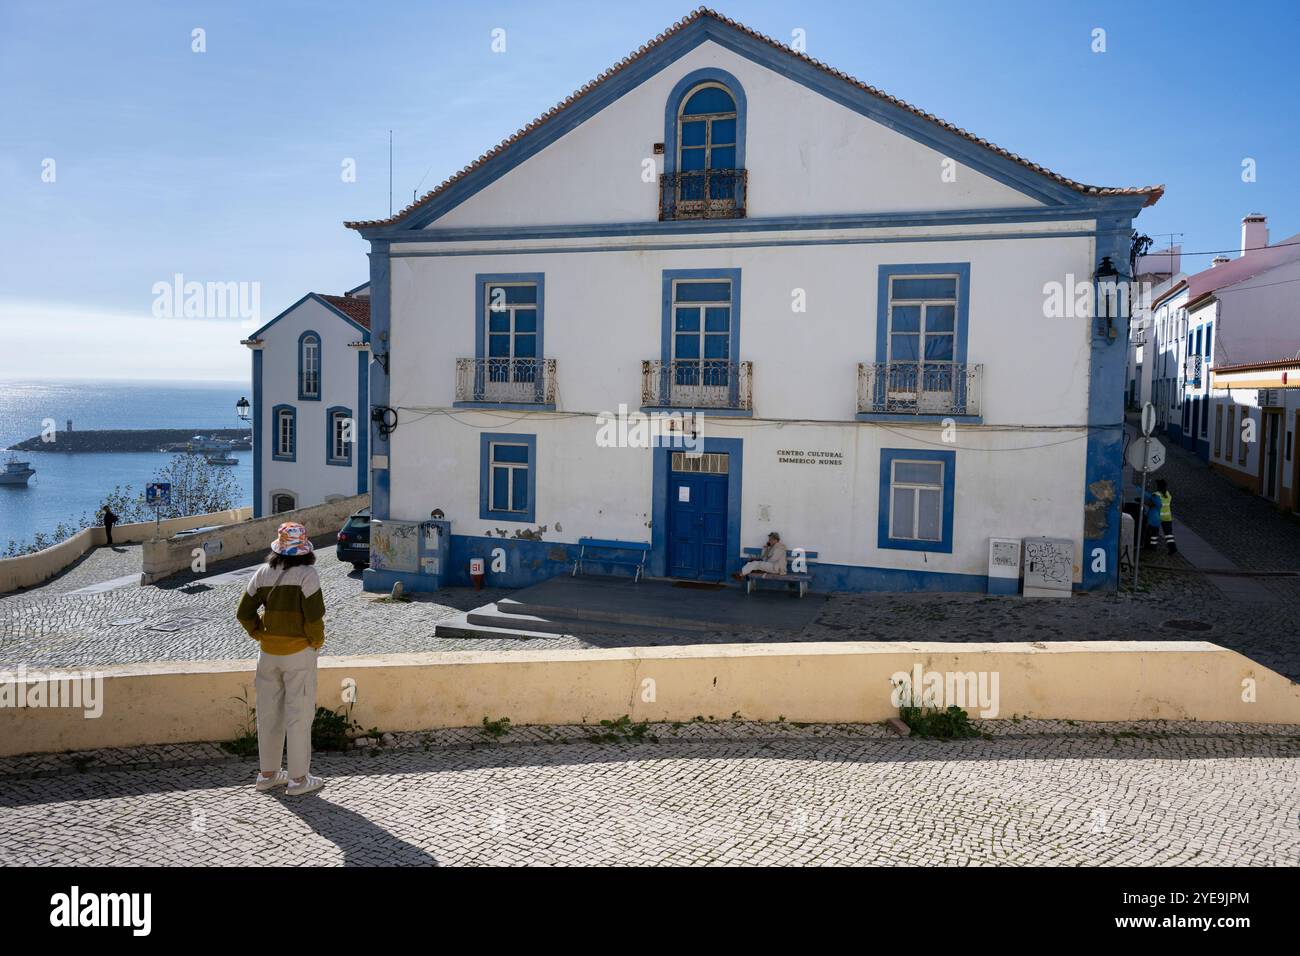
{"points": [[1160, 517]]}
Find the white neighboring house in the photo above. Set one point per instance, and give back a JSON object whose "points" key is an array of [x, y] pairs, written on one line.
{"points": [[1153, 273], [311, 381], [1237, 312], [852, 295], [1256, 408]]}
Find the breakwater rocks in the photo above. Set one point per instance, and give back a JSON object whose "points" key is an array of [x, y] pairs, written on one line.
{"points": [[132, 439]]}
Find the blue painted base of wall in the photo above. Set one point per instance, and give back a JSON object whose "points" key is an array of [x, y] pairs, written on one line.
{"points": [[527, 562], [1004, 585], [381, 582]]}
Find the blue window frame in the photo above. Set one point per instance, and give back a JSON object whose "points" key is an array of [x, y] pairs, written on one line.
{"points": [[923, 313], [507, 477], [701, 319], [510, 315], [704, 128], [310, 360], [339, 435], [700, 332], [916, 499], [284, 433], [509, 336]]}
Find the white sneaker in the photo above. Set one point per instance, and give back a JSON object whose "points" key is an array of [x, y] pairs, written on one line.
{"points": [[278, 779], [309, 784]]}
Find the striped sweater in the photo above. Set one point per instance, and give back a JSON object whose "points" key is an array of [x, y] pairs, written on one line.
{"points": [[292, 606]]}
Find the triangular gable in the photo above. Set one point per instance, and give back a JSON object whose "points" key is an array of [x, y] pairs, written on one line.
{"points": [[703, 25], [365, 332]]}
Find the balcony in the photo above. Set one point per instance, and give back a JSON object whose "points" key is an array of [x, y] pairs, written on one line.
{"points": [[505, 382], [697, 384], [919, 388], [703, 194], [1192, 367]]}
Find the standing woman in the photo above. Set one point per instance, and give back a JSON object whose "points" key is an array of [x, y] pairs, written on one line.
{"points": [[110, 519], [291, 629]]}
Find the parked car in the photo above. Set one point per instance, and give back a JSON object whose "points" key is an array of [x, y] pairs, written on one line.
{"points": [[354, 540]]}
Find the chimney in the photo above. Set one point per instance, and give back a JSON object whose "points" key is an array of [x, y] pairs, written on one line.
{"points": [[1219, 261], [1254, 232]]}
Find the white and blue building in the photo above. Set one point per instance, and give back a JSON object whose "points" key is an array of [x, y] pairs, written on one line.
{"points": [[851, 300], [311, 384]]}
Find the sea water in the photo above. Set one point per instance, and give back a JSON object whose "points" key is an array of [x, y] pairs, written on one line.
{"points": [[66, 486]]}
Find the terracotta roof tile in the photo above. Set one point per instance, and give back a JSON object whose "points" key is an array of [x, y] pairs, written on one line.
{"points": [[1153, 193], [356, 308], [1285, 363]]}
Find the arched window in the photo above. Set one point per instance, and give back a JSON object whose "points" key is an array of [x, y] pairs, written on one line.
{"points": [[706, 148], [282, 501], [309, 362], [704, 156]]}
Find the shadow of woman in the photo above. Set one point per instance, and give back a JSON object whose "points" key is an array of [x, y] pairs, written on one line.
{"points": [[363, 842]]}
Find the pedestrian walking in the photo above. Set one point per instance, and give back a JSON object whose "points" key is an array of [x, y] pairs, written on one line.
{"points": [[1160, 517], [110, 519], [291, 629]]}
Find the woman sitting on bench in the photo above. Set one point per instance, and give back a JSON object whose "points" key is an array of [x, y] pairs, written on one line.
{"points": [[771, 561]]}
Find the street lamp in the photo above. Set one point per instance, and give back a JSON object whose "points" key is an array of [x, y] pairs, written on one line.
{"points": [[1107, 277], [242, 408]]}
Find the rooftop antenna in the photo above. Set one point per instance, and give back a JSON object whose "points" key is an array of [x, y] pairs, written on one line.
{"points": [[416, 191], [390, 173]]}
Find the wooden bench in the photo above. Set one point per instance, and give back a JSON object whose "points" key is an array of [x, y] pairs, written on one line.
{"points": [[800, 579], [610, 544]]}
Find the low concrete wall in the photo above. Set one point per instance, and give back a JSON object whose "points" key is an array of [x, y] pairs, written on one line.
{"points": [[31, 569], [164, 557], [1095, 681]]}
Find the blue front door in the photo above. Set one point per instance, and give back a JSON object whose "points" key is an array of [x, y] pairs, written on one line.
{"points": [[697, 526]]}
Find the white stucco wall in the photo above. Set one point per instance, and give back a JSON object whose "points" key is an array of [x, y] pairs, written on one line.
{"points": [[1004, 486], [1019, 472], [310, 477], [603, 317], [806, 155], [1259, 319]]}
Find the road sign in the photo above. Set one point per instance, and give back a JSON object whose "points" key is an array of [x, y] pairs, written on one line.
{"points": [[1146, 454], [1148, 419], [158, 493]]}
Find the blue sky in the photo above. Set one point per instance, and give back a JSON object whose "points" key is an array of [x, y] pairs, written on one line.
{"points": [[225, 165]]}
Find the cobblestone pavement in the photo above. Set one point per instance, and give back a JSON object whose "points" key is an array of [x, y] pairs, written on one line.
{"points": [[190, 619], [195, 621], [95, 567], [715, 794], [1245, 527]]}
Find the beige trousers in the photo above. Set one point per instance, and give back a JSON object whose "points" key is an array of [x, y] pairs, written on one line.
{"points": [[770, 567], [286, 706]]}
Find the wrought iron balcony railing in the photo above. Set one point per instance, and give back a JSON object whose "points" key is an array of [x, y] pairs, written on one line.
{"points": [[1192, 370], [919, 388], [506, 381], [706, 383], [703, 194]]}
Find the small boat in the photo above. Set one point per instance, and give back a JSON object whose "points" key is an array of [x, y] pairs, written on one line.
{"points": [[16, 472], [201, 444], [221, 458]]}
